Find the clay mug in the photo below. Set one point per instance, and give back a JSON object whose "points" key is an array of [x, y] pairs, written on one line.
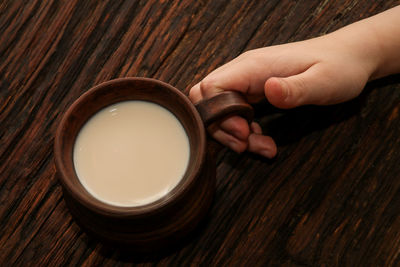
{"points": [[173, 216]]}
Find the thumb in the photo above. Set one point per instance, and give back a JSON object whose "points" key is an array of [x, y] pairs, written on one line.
{"points": [[309, 87]]}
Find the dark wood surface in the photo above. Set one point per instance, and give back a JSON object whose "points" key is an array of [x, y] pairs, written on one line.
{"points": [[330, 198]]}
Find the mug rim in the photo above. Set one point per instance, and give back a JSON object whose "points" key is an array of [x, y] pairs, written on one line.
{"points": [[98, 206]]}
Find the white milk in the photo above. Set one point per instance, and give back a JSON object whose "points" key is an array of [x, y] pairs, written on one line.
{"points": [[131, 153]]}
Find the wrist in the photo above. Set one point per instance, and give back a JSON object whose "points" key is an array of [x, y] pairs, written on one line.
{"points": [[377, 42], [360, 45]]}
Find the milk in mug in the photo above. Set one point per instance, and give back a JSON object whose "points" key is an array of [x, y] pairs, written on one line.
{"points": [[131, 153]]}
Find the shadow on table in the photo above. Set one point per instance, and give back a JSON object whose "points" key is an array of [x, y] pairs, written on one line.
{"points": [[288, 126], [128, 255]]}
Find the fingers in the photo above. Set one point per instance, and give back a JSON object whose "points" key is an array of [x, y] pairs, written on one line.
{"points": [[255, 128], [232, 132], [261, 144], [195, 94], [236, 126], [235, 134], [227, 139], [245, 74]]}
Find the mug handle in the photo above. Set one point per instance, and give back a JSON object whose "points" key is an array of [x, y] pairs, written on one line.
{"points": [[225, 104]]}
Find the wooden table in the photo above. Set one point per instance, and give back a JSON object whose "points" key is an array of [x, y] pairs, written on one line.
{"points": [[330, 198]]}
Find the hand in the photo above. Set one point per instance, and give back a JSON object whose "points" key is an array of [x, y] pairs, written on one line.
{"points": [[325, 70]]}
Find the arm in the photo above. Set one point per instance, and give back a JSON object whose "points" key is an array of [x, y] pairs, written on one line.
{"points": [[325, 70]]}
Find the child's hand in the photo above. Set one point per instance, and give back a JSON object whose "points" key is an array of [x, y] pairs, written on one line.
{"points": [[310, 72], [321, 71]]}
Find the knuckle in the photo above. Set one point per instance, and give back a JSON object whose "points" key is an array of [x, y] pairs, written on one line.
{"points": [[193, 93], [208, 86]]}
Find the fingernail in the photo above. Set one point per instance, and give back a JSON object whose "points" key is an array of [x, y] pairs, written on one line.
{"points": [[267, 153]]}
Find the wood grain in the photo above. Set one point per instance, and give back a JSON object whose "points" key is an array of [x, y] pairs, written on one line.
{"points": [[330, 198]]}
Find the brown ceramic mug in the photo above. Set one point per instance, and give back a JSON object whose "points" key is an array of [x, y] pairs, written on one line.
{"points": [[162, 222]]}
